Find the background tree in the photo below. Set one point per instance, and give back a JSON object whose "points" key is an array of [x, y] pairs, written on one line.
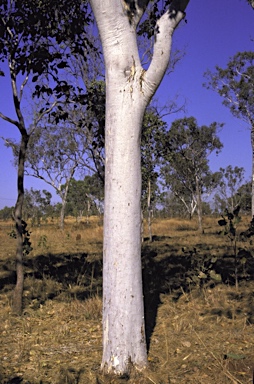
{"points": [[129, 89], [6, 213], [186, 168], [85, 196], [30, 33], [54, 156], [36, 205], [89, 120], [172, 206], [244, 192], [152, 132], [71, 137], [235, 84], [77, 201], [227, 195]]}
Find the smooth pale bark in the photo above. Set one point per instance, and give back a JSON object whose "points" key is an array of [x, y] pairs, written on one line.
{"points": [[199, 206], [62, 211], [64, 195], [62, 214], [129, 89]]}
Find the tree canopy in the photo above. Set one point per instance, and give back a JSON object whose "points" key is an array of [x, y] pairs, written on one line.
{"points": [[235, 84], [186, 166], [36, 40]]}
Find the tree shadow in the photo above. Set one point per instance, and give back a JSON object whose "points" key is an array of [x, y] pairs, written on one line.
{"points": [[165, 270], [49, 276], [159, 276]]}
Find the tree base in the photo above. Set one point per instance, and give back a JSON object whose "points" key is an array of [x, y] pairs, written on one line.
{"points": [[135, 375]]}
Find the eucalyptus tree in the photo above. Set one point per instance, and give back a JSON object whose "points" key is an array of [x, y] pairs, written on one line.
{"points": [[6, 213], [31, 36], [53, 155], [36, 205], [85, 196], [227, 196], [186, 167], [244, 192], [235, 84], [76, 144], [89, 120], [153, 132], [129, 89]]}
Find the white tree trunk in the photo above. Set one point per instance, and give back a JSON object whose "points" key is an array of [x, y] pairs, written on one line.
{"points": [[123, 316], [129, 89]]}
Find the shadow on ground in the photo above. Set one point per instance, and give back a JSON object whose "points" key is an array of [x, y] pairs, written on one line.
{"points": [[64, 276], [167, 271]]}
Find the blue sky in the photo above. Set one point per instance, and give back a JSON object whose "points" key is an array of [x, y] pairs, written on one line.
{"points": [[214, 32]]}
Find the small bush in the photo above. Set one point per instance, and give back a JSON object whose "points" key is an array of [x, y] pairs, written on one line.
{"points": [[42, 243]]}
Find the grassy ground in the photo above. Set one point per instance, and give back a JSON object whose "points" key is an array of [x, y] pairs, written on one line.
{"points": [[199, 330]]}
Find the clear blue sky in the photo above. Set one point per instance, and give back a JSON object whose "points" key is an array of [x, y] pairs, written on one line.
{"points": [[214, 32]]}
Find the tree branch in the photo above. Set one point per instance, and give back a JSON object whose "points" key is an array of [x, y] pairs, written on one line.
{"points": [[22, 87], [6, 118], [45, 112], [164, 30]]}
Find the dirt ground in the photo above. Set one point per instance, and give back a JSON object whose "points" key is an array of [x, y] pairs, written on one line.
{"points": [[199, 330]]}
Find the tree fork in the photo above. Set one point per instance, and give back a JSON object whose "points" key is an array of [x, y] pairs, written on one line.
{"points": [[129, 89]]}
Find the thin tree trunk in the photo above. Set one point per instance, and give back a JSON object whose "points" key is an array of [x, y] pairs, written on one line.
{"points": [[64, 196], [62, 214], [88, 210], [199, 206], [18, 290]]}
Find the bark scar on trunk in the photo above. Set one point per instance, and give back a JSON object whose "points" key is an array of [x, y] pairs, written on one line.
{"points": [[141, 80], [132, 70]]}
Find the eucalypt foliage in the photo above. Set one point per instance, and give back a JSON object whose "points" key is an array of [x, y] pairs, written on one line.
{"points": [[27, 245], [230, 221]]}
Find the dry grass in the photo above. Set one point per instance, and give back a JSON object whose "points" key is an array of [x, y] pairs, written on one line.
{"points": [[75, 237], [200, 336], [54, 344]]}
